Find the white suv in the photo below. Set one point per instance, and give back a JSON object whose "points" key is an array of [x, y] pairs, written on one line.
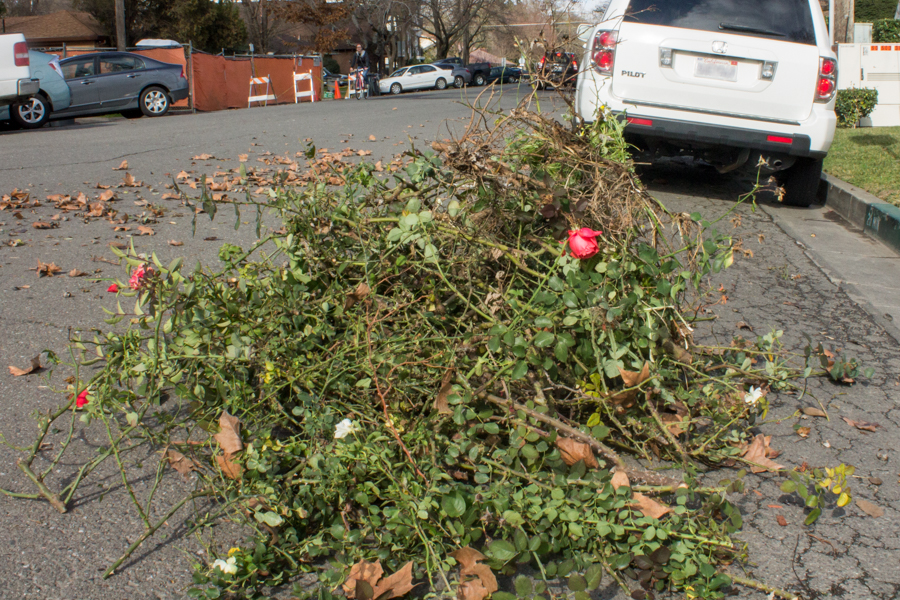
{"points": [[728, 81], [16, 83]]}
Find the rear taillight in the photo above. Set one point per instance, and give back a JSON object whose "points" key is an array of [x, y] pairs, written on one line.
{"points": [[826, 84], [541, 64], [575, 64], [603, 51], [21, 51], [182, 72]]}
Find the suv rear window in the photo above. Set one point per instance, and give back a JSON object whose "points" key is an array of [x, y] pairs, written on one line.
{"points": [[788, 20]]}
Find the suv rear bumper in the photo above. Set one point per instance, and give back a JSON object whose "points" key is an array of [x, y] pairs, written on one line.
{"points": [[29, 87], [718, 135]]}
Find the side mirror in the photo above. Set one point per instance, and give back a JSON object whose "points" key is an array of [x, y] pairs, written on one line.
{"points": [[583, 32]]}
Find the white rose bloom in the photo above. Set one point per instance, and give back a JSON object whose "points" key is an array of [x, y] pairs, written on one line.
{"points": [[345, 428], [229, 567], [753, 396]]}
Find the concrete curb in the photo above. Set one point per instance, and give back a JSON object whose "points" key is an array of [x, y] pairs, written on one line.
{"points": [[876, 217]]}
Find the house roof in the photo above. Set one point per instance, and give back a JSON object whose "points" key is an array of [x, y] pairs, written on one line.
{"points": [[61, 26]]}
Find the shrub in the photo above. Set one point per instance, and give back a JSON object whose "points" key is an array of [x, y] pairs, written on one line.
{"points": [[869, 11], [854, 104], [886, 30], [332, 65]]}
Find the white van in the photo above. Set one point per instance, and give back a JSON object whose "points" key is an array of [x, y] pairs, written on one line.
{"points": [[16, 83], [727, 81]]}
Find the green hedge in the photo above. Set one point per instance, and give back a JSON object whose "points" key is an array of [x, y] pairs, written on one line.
{"points": [[869, 11], [854, 104], [886, 30]]}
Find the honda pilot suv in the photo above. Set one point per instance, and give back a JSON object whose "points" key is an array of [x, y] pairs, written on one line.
{"points": [[727, 81]]}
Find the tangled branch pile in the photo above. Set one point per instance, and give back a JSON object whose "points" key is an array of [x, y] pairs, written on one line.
{"points": [[422, 366]]}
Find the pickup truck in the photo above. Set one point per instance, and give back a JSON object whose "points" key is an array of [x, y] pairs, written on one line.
{"points": [[16, 83], [479, 71]]}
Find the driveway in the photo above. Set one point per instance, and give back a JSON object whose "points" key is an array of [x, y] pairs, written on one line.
{"points": [[790, 283]]}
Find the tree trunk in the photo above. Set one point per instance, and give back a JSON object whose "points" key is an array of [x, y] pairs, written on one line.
{"points": [[121, 42], [465, 47]]}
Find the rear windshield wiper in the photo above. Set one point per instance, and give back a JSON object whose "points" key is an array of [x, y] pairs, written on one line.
{"points": [[746, 29]]}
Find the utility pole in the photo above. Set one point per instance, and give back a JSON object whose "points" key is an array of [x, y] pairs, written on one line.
{"points": [[120, 25]]}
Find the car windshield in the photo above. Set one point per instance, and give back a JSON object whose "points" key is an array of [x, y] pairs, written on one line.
{"points": [[788, 20], [398, 72]]}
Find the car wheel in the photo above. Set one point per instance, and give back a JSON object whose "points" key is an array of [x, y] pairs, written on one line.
{"points": [[396, 89], [32, 113], [514, 80], [154, 102], [441, 84], [479, 79], [459, 81], [801, 182]]}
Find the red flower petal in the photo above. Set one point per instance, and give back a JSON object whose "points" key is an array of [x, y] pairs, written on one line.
{"points": [[113, 288], [82, 399]]}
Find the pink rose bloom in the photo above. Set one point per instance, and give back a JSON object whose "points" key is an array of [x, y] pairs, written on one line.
{"points": [[582, 242], [113, 288], [82, 399], [138, 275]]}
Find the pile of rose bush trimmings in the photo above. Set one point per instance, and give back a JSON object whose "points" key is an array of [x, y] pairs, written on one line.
{"points": [[420, 369]]}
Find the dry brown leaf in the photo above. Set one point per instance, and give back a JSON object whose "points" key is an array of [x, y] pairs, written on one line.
{"points": [[175, 243], [181, 463], [202, 157], [467, 557], [650, 507], [758, 452], [397, 585], [673, 423], [243, 157], [803, 432], [107, 196], [781, 520], [122, 167], [372, 138], [811, 411], [473, 589], [231, 469], [362, 571], [76, 273], [632, 379], [362, 290], [229, 436], [573, 451], [144, 230], [484, 584], [128, 180], [35, 366], [379, 167], [440, 402], [182, 175], [43, 225], [46, 269], [363, 152], [873, 510], [862, 425], [619, 479]]}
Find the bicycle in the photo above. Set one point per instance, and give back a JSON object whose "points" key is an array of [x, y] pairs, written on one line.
{"points": [[362, 90]]}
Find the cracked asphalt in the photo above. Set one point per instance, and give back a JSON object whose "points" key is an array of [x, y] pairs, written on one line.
{"points": [[50, 556]]}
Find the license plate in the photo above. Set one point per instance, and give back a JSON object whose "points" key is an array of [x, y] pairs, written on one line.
{"points": [[716, 68]]}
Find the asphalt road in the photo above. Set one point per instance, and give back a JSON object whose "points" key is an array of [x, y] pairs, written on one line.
{"points": [[823, 286]]}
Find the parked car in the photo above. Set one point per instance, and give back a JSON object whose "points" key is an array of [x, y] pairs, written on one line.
{"points": [[558, 68], [728, 82], [53, 94], [121, 82], [479, 71], [461, 76], [16, 80], [504, 75], [329, 78], [416, 77]]}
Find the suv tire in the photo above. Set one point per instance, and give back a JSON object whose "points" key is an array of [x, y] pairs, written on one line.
{"points": [[31, 114], [459, 81], [478, 79], [801, 182]]}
